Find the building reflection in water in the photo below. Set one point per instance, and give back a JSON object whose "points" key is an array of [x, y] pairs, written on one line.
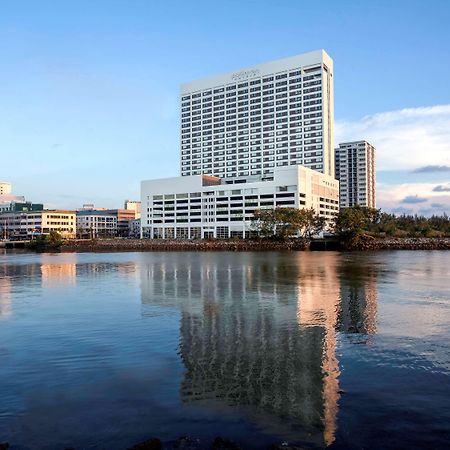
{"points": [[9, 274], [359, 297], [259, 333], [5, 297], [57, 272]]}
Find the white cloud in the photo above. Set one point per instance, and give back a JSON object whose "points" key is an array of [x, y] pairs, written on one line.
{"points": [[405, 139], [391, 197]]}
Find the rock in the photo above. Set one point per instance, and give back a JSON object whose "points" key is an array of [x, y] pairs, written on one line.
{"points": [[222, 443], [187, 443], [149, 444]]}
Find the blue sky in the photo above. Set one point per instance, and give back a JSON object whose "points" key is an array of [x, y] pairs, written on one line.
{"points": [[89, 89]]}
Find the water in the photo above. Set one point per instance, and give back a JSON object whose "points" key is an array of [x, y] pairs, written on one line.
{"points": [[346, 351]]}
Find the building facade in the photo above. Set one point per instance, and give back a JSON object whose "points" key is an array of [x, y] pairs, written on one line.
{"points": [[255, 120], [94, 224], [135, 228], [26, 224], [133, 205], [202, 206], [355, 170], [123, 216]]}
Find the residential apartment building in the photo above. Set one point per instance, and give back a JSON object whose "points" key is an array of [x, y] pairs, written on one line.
{"points": [[355, 170], [203, 206], [25, 224], [95, 224], [252, 121]]}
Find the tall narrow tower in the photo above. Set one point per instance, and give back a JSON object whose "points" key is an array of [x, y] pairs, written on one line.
{"points": [[355, 170]]}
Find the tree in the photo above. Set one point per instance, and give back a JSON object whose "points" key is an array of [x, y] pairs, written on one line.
{"points": [[352, 224], [47, 241], [282, 223], [309, 223]]}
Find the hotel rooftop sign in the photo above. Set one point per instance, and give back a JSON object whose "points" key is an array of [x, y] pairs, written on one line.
{"points": [[245, 74]]}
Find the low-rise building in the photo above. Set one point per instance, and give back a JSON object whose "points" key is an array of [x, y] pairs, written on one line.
{"points": [[26, 224], [12, 224], [202, 206], [96, 224], [133, 205], [123, 217], [42, 222]]}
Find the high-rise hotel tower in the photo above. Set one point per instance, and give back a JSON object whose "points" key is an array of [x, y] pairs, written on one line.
{"points": [[249, 122]]}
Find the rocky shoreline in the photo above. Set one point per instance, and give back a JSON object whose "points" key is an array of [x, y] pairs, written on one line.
{"points": [[123, 245], [366, 244], [372, 243]]}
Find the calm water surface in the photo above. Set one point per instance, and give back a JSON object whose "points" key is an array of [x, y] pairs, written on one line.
{"points": [[346, 351]]}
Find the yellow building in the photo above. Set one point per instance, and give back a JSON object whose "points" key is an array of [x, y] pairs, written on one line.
{"points": [[42, 222]]}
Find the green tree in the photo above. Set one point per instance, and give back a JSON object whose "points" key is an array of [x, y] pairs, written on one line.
{"points": [[351, 224], [309, 223], [282, 223]]}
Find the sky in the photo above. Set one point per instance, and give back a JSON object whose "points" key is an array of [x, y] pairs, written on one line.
{"points": [[89, 89]]}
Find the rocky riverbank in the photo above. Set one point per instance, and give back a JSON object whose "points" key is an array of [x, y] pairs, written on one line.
{"points": [[367, 243], [144, 245]]}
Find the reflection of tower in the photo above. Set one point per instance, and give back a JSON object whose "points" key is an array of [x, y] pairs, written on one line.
{"points": [[359, 297], [58, 272], [257, 333], [318, 306]]}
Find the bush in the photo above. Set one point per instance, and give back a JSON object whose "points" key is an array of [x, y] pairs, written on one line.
{"points": [[47, 241], [356, 223]]}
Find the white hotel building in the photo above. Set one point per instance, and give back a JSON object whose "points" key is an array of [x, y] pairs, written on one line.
{"points": [[251, 121], [261, 137]]}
